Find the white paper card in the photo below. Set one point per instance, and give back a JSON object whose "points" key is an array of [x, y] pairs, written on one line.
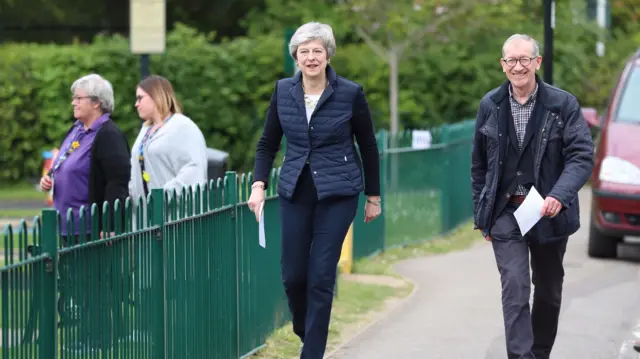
{"points": [[421, 139], [528, 214], [261, 237]]}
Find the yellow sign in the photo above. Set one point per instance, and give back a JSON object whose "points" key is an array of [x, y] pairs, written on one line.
{"points": [[346, 256]]}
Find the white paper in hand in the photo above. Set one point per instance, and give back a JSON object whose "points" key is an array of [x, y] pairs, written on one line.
{"points": [[528, 214], [261, 237]]}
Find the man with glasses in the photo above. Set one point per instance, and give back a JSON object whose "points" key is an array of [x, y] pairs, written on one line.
{"points": [[528, 135]]}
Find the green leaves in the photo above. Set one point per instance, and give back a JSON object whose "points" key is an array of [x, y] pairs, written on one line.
{"points": [[225, 86]]}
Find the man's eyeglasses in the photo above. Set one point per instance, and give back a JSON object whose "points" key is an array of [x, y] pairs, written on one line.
{"points": [[524, 61]]}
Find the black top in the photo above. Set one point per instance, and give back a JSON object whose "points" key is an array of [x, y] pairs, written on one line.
{"points": [[110, 168], [517, 167]]}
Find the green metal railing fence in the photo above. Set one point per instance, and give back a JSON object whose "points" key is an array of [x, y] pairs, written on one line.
{"points": [[181, 275], [425, 192], [182, 278]]}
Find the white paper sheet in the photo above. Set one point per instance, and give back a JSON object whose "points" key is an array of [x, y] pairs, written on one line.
{"points": [[261, 237], [528, 214]]}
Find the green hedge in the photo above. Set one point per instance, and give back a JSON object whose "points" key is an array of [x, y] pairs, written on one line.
{"points": [[225, 86]]}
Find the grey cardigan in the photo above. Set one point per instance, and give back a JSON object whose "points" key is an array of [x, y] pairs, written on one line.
{"points": [[175, 157]]}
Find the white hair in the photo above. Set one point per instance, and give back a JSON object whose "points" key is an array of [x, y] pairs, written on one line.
{"points": [[99, 89], [534, 43], [313, 31]]}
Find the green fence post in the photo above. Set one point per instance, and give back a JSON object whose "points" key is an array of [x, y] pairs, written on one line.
{"points": [[445, 133], [158, 274], [382, 149], [48, 322], [231, 198], [446, 197]]}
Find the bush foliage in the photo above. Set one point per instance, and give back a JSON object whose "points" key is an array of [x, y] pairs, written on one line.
{"points": [[225, 85]]}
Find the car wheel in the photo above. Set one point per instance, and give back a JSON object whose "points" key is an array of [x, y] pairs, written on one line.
{"points": [[600, 245]]}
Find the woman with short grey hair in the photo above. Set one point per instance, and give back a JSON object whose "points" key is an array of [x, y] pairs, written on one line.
{"points": [[92, 166], [313, 31], [321, 178], [98, 89]]}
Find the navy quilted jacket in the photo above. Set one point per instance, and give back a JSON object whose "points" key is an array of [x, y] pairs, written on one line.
{"points": [[326, 142]]}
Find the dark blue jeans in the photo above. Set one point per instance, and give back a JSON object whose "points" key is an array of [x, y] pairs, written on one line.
{"points": [[312, 235]]}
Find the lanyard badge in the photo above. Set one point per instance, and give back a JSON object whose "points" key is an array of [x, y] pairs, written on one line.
{"points": [[145, 140], [74, 145]]}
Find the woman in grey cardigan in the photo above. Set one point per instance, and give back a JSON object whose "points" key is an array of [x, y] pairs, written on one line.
{"points": [[170, 151]]}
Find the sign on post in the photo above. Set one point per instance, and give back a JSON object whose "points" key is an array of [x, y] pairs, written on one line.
{"points": [[421, 139], [147, 23], [147, 30]]}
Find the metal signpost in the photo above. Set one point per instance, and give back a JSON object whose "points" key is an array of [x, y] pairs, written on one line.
{"points": [[549, 26], [147, 34]]}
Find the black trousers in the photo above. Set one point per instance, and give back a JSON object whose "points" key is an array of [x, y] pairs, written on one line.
{"points": [[312, 235], [529, 334]]}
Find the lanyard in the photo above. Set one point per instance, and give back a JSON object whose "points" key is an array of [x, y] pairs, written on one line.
{"points": [[73, 145], [145, 140]]}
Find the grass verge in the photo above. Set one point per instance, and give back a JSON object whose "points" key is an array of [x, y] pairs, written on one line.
{"points": [[20, 192], [26, 213], [354, 303], [358, 303], [461, 238]]}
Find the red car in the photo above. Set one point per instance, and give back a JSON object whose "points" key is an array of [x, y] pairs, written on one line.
{"points": [[615, 182]]}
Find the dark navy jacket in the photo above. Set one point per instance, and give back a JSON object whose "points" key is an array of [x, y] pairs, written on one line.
{"points": [[563, 158], [326, 143]]}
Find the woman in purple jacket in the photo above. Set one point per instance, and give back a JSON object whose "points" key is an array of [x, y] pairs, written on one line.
{"points": [[92, 166]]}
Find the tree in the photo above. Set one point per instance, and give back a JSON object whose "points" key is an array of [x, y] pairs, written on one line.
{"points": [[63, 21], [279, 15], [392, 28]]}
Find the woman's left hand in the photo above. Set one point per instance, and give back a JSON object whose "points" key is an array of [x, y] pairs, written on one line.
{"points": [[372, 208]]}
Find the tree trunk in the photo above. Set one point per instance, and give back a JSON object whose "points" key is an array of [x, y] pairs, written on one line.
{"points": [[393, 91], [393, 109]]}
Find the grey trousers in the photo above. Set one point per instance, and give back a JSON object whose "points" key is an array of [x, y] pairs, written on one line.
{"points": [[529, 334]]}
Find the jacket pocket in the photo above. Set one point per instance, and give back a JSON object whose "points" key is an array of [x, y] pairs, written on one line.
{"points": [[557, 129], [560, 225]]}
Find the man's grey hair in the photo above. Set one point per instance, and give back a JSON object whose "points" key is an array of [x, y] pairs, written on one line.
{"points": [[313, 31], [98, 88], [534, 43]]}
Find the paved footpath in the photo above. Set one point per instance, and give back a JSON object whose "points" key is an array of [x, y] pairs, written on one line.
{"points": [[456, 311]]}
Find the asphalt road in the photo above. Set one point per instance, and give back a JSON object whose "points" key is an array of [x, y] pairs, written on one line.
{"points": [[456, 312]]}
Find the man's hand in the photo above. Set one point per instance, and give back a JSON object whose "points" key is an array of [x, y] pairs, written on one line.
{"points": [[487, 237], [551, 207]]}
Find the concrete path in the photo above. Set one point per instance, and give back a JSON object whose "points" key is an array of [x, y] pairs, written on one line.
{"points": [[456, 312]]}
